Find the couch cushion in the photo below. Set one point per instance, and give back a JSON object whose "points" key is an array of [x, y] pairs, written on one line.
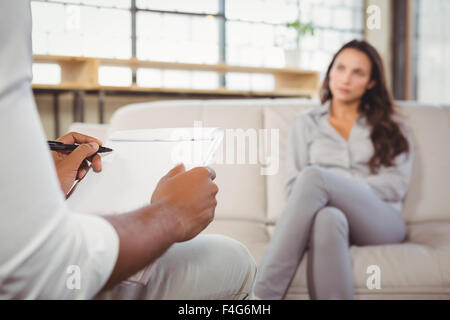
{"points": [[242, 189], [280, 117], [251, 234], [153, 115], [417, 267], [427, 198]]}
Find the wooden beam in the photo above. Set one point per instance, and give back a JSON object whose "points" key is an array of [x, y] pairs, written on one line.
{"points": [[404, 33]]}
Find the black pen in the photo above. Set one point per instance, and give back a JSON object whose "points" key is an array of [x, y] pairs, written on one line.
{"points": [[59, 146]]}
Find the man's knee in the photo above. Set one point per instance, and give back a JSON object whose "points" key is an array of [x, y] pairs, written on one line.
{"points": [[237, 263], [221, 266]]}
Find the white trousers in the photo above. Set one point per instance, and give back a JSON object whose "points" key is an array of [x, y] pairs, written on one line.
{"points": [[208, 267]]}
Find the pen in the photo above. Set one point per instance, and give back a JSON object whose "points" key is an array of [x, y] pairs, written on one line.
{"points": [[59, 146]]}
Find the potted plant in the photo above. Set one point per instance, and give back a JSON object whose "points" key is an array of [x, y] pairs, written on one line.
{"points": [[292, 54]]}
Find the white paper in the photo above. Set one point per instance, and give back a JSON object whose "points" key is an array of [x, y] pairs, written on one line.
{"points": [[140, 159]]}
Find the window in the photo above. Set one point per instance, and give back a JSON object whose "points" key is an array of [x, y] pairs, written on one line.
{"points": [[256, 32], [193, 6], [177, 37], [82, 28], [254, 29], [246, 33], [337, 22], [433, 51]]}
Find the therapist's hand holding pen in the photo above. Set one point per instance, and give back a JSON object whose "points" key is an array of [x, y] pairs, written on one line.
{"points": [[74, 165], [182, 205]]}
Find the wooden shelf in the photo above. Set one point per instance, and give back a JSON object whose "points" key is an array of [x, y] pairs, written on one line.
{"points": [[220, 91], [81, 73]]}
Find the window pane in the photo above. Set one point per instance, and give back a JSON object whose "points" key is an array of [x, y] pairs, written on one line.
{"points": [[433, 52], [177, 38], [46, 73], [270, 11], [147, 77], [254, 81], [205, 80], [252, 44], [126, 4], [194, 6], [115, 76], [262, 82], [79, 30], [260, 37], [237, 81], [176, 79], [336, 22]]}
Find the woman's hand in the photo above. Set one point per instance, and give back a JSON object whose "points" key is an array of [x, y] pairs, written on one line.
{"points": [[74, 165]]}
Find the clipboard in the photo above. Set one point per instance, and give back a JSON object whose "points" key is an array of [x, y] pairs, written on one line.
{"points": [[140, 159]]}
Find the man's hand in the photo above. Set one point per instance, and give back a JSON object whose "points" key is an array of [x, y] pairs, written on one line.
{"points": [[188, 199], [74, 165], [182, 205]]}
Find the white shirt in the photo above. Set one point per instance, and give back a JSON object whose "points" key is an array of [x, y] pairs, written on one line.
{"points": [[313, 141], [42, 243]]}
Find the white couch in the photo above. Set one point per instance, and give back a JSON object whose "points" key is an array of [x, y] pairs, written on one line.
{"points": [[249, 203]]}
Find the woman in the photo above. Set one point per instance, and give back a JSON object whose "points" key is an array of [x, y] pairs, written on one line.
{"points": [[349, 169]]}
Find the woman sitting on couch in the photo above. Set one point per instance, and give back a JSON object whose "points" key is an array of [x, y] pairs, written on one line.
{"points": [[349, 169]]}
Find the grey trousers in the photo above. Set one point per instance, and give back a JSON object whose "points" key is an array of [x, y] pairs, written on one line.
{"points": [[208, 267], [328, 212]]}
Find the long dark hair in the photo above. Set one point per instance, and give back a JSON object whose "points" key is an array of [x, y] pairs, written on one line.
{"points": [[377, 106]]}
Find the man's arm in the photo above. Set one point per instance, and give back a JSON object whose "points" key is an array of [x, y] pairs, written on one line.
{"points": [[144, 235], [182, 206], [41, 240]]}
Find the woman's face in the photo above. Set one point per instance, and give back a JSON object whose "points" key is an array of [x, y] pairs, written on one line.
{"points": [[350, 76]]}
